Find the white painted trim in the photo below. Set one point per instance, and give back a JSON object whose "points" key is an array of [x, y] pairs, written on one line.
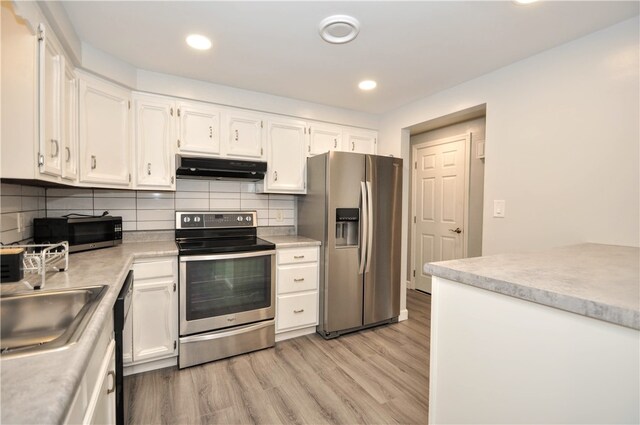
{"points": [[152, 365], [295, 333], [404, 315]]}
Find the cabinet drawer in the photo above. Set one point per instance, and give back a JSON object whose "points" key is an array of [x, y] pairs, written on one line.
{"points": [[303, 277], [297, 255], [154, 269], [296, 311]]}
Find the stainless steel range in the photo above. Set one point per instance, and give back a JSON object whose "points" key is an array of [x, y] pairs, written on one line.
{"points": [[227, 286]]}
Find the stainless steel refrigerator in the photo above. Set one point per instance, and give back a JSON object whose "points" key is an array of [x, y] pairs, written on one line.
{"points": [[353, 205]]}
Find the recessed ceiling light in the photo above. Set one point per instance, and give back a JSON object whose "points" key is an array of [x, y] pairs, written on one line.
{"points": [[524, 1], [339, 29], [367, 85], [199, 42]]}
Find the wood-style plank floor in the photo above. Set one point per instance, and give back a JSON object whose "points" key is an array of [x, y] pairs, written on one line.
{"points": [[375, 376]]}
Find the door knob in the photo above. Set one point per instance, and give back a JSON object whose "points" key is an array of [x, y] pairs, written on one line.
{"points": [[456, 230]]}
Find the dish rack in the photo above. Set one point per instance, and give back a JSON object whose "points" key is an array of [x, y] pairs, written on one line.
{"points": [[40, 258]]}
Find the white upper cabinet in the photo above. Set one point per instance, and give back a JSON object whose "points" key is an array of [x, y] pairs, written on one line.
{"points": [[154, 137], [359, 140], [199, 129], [242, 134], [70, 125], [105, 148], [51, 87], [286, 156], [324, 138]]}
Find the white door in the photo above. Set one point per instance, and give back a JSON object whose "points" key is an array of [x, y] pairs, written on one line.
{"points": [[199, 129], [324, 138], [359, 141], [439, 200], [105, 145], [51, 64], [286, 156], [155, 320], [242, 135], [155, 132], [70, 125]]}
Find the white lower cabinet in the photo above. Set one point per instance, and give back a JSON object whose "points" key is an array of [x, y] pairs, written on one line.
{"points": [[297, 292], [151, 331]]}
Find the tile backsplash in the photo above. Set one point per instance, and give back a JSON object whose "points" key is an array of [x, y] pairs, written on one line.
{"points": [[140, 210]]}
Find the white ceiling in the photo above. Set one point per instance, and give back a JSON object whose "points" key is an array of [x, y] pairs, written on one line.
{"points": [[412, 49]]}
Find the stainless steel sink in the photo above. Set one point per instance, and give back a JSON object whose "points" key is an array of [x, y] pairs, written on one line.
{"points": [[45, 320]]}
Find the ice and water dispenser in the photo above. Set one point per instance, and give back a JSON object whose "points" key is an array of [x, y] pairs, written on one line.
{"points": [[347, 226]]}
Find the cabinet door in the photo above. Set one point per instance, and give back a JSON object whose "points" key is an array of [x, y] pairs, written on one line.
{"points": [[242, 135], [360, 141], [51, 64], [155, 320], [199, 129], [154, 136], [324, 138], [105, 150], [70, 125], [286, 156], [102, 402]]}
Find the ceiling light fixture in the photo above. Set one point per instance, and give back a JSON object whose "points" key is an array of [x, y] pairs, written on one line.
{"points": [[523, 2], [367, 85], [199, 42], [339, 29]]}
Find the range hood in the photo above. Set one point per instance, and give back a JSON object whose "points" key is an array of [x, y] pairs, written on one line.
{"points": [[219, 169]]}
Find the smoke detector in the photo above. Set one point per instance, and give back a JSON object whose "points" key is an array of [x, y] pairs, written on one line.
{"points": [[339, 29]]}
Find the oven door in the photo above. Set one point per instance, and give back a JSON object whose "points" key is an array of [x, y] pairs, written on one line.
{"points": [[222, 290]]}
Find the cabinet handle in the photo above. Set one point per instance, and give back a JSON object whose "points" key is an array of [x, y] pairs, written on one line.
{"points": [[93, 162], [237, 135], [210, 132], [298, 257], [112, 374], [298, 311], [275, 176], [148, 168], [171, 111], [68, 153], [299, 280], [335, 143], [353, 146], [55, 143]]}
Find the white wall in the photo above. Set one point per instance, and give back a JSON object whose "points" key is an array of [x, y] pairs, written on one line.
{"points": [[562, 147]]}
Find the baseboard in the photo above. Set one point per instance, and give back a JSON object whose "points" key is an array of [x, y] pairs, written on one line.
{"points": [[404, 315], [152, 365], [295, 333], [410, 285]]}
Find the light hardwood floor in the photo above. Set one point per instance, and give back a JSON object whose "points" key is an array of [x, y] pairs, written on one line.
{"points": [[375, 376]]}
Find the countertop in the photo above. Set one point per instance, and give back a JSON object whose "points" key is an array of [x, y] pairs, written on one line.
{"points": [[290, 241], [594, 280], [40, 388]]}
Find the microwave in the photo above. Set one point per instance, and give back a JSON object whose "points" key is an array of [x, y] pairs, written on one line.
{"points": [[82, 233]]}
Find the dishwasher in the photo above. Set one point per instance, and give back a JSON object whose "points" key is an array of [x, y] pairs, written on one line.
{"points": [[120, 311]]}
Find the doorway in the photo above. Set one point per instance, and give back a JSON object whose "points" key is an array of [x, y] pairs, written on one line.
{"points": [[446, 196]]}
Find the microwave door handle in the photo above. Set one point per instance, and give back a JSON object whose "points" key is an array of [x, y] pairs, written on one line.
{"points": [[363, 233], [370, 223]]}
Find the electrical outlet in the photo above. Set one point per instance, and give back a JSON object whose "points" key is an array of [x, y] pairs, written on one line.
{"points": [[279, 215]]}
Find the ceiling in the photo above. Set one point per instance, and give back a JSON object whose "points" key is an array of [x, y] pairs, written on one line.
{"points": [[412, 49]]}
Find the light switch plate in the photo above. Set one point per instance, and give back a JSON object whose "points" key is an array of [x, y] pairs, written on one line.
{"points": [[498, 208]]}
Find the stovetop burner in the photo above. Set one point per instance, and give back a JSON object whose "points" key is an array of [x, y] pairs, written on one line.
{"points": [[199, 233]]}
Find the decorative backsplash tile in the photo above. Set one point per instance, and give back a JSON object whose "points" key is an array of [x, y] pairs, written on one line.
{"points": [[140, 210]]}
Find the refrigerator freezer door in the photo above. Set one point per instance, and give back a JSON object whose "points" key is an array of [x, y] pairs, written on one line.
{"points": [[382, 280], [343, 282]]}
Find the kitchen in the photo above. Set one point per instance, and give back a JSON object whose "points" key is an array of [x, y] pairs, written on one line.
{"points": [[573, 100]]}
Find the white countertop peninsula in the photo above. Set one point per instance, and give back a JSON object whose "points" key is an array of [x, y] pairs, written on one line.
{"points": [[542, 337]]}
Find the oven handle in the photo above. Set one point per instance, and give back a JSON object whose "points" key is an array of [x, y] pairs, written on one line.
{"points": [[227, 332], [186, 258]]}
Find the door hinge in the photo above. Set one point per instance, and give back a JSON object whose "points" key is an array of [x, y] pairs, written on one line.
{"points": [[414, 218], [174, 287], [261, 124], [309, 148], [375, 140], [172, 179], [414, 273], [175, 345], [305, 130], [261, 151], [41, 32], [171, 111], [129, 103], [178, 111], [129, 177], [40, 159], [415, 165], [178, 142]]}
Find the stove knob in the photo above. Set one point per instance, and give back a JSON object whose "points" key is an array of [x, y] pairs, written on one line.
{"points": [[239, 218], [187, 219], [196, 219], [248, 218]]}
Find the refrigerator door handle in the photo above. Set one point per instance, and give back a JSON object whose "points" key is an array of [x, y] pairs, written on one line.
{"points": [[363, 236], [369, 221]]}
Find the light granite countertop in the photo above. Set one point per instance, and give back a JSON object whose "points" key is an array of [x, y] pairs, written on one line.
{"points": [[594, 280], [293, 241], [40, 388]]}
